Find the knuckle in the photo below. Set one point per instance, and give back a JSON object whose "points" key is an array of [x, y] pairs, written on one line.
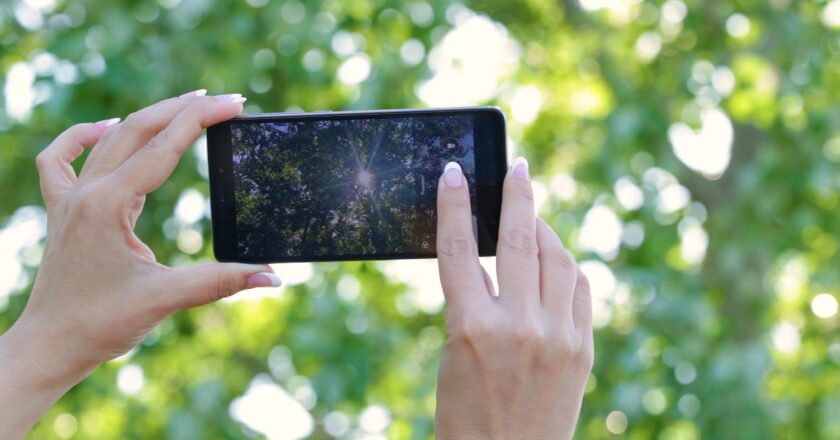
{"points": [[569, 342], [76, 130], [582, 283], [473, 334], [141, 121], [195, 115], [225, 285], [89, 202], [455, 203], [220, 285], [529, 338], [526, 192], [197, 107], [42, 160], [74, 133], [560, 257], [563, 345], [521, 240], [586, 357], [456, 246], [160, 147], [138, 120], [520, 188], [161, 140]]}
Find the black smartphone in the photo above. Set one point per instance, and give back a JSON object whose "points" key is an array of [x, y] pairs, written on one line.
{"points": [[355, 185]]}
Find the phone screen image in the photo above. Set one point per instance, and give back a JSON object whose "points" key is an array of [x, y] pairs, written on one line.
{"points": [[343, 187]]}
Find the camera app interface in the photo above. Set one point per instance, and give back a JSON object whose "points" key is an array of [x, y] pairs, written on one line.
{"points": [[343, 187]]}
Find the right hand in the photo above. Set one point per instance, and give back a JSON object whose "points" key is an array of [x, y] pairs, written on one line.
{"points": [[514, 365]]}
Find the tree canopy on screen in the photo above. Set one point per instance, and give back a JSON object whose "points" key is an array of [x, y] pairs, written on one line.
{"points": [[343, 187], [685, 150]]}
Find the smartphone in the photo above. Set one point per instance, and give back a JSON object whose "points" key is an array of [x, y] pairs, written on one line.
{"points": [[350, 185]]}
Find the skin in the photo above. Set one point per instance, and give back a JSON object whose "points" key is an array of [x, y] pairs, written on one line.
{"points": [[99, 290], [515, 364]]}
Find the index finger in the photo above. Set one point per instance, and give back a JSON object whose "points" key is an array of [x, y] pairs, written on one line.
{"points": [[460, 272], [152, 164]]}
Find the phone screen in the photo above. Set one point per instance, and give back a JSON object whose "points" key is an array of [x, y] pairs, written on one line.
{"points": [[349, 185], [341, 187]]}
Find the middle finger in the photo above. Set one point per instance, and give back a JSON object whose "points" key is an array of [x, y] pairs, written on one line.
{"points": [[517, 262]]}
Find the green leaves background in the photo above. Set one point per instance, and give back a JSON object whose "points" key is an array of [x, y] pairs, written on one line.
{"points": [[707, 324]]}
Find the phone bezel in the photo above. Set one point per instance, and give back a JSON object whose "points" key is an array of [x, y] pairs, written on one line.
{"points": [[490, 159]]}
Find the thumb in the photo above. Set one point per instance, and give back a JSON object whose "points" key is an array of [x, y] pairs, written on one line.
{"points": [[211, 282]]}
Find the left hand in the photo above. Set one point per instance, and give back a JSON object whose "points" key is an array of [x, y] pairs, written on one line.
{"points": [[99, 290]]}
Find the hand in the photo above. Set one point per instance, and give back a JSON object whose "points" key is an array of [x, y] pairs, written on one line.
{"points": [[514, 365], [99, 290]]}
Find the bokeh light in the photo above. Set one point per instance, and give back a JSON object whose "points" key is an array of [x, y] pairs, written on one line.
{"points": [[617, 422], [686, 153], [824, 305], [259, 407]]}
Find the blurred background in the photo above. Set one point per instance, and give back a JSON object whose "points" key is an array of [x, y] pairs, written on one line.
{"points": [[685, 150]]}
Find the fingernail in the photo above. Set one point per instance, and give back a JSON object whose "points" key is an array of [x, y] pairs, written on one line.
{"points": [[520, 168], [230, 97], [452, 175], [199, 92], [263, 279], [108, 122], [238, 100]]}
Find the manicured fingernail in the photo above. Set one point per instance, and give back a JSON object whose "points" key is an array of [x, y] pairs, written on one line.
{"points": [[238, 100], [199, 92], [452, 175], [108, 122], [263, 279], [230, 97], [520, 168]]}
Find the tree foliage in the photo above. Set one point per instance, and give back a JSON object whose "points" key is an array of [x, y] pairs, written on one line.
{"points": [[343, 187], [685, 150]]}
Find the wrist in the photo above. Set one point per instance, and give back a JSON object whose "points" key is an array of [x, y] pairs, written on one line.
{"points": [[36, 354], [32, 377]]}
